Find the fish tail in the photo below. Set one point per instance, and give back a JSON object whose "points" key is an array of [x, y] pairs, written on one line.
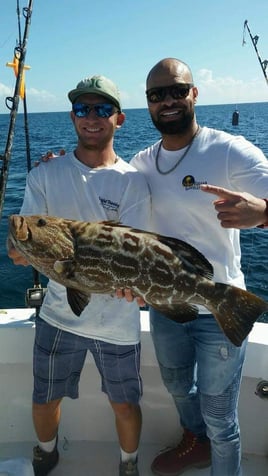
{"points": [[236, 310]]}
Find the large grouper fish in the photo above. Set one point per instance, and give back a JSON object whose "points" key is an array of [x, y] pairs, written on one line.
{"points": [[101, 257]]}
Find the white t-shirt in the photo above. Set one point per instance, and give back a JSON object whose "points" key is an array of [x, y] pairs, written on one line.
{"points": [[65, 187], [181, 210]]}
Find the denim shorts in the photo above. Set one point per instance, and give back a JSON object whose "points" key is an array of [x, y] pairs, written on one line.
{"points": [[59, 357]]}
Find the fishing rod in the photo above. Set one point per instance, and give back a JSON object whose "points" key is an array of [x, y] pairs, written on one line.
{"points": [[263, 63], [12, 103], [34, 296], [254, 40]]}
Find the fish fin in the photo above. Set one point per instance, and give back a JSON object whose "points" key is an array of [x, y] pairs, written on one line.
{"points": [[182, 313], [65, 267], [192, 259], [77, 300], [236, 311]]}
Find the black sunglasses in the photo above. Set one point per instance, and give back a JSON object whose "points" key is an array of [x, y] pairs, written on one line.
{"points": [[176, 91], [101, 110]]}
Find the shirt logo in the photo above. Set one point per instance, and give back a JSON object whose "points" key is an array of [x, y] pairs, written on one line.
{"points": [[189, 183], [108, 204]]}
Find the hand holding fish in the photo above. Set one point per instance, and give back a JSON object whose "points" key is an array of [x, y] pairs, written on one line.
{"points": [[129, 296], [237, 209]]}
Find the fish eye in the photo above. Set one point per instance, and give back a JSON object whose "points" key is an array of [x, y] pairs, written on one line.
{"points": [[41, 222]]}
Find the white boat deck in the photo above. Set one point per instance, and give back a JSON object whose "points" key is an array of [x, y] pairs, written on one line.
{"points": [[83, 458], [88, 444]]}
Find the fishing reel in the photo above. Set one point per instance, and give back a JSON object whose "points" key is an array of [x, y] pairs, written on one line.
{"points": [[35, 296]]}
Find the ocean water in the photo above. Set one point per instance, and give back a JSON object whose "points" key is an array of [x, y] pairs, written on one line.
{"points": [[53, 131]]}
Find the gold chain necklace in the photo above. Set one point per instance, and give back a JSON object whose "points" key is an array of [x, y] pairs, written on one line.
{"points": [[180, 159]]}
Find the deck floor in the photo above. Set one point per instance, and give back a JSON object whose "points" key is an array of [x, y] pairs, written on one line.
{"points": [[82, 458]]}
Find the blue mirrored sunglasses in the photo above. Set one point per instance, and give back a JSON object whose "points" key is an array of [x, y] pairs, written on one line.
{"points": [[101, 110]]}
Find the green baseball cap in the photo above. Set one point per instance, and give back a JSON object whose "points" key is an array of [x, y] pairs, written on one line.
{"points": [[97, 85]]}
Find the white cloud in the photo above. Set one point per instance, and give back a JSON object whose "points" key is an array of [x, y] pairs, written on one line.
{"points": [[228, 90], [40, 94], [5, 90], [37, 100], [44, 101]]}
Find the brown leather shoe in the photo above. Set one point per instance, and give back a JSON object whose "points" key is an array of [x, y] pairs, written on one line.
{"points": [[190, 453]]}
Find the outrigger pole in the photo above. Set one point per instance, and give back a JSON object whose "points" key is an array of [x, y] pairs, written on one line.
{"points": [[254, 40], [19, 54]]}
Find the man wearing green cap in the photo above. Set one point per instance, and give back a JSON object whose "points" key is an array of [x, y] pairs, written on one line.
{"points": [[91, 183]]}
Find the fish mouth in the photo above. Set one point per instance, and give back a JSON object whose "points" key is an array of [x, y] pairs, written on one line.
{"points": [[18, 228]]}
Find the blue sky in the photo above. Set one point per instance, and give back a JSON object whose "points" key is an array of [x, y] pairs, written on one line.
{"points": [[122, 39]]}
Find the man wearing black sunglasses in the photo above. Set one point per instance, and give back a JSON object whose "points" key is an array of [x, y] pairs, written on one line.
{"points": [[91, 183], [200, 368]]}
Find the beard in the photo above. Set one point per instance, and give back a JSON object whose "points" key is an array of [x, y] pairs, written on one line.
{"points": [[176, 126]]}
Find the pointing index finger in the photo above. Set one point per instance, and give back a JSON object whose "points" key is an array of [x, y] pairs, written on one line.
{"points": [[220, 191]]}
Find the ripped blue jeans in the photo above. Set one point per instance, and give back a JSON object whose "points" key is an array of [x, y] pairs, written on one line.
{"points": [[201, 369]]}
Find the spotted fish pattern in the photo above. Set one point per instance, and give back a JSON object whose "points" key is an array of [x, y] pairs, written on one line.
{"points": [[100, 257]]}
